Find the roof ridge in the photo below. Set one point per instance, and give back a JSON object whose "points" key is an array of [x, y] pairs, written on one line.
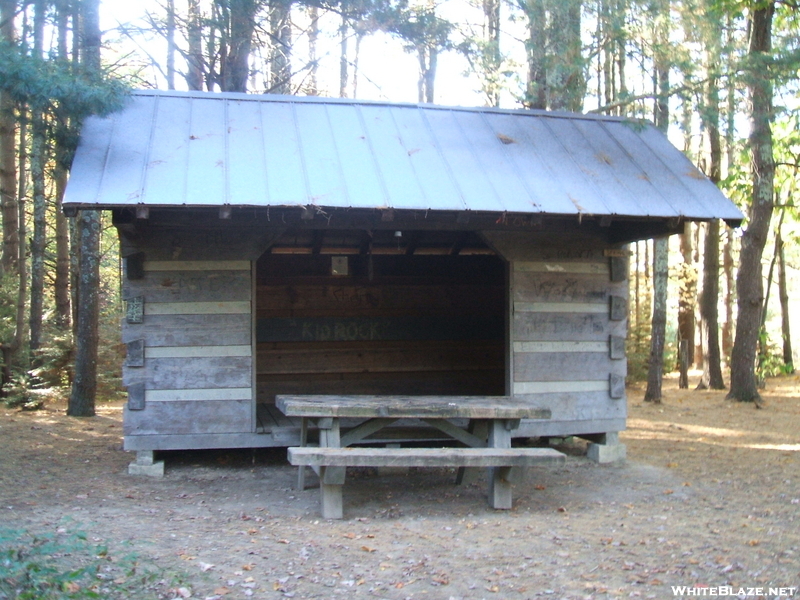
{"points": [[360, 102]]}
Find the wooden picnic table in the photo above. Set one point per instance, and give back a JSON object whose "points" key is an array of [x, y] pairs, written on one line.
{"points": [[487, 439]]}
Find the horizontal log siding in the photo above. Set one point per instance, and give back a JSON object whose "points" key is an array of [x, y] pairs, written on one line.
{"points": [[560, 331], [197, 332]]}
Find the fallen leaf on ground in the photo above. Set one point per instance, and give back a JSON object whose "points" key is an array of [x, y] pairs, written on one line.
{"points": [[204, 566]]}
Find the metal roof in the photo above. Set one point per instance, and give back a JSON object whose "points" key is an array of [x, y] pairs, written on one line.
{"points": [[203, 149]]}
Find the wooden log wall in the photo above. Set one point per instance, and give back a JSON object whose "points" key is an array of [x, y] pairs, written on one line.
{"points": [[188, 331], [568, 329], [402, 325]]}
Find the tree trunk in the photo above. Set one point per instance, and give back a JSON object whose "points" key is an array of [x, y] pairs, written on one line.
{"points": [[709, 299], [84, 386], [687, 292], [491, 14], [749, 287], [8, 169], [730, 294], [786, 334], [313, 36], [343, 64], [658, 332], [62, 281], [170, 44], [38, 160], [194, 37], [39, 240], [709, 302], [536, 92], [280, 56], [235, 69]]}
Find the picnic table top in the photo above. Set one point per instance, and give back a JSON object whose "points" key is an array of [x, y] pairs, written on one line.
{"points": [[409, 407]]}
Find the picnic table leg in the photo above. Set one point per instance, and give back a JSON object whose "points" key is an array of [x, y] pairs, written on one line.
{"points": [[331, 479], [499, 477], [467, 475], [301, 470]]}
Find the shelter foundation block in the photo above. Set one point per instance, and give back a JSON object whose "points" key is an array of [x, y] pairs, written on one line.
{"points": [[606, 448], [145, 464]]}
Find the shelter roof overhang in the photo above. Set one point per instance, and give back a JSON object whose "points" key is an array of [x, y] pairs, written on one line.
{"points": [[325, 159]]}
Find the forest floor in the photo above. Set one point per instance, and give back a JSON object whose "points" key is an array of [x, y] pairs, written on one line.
{"points": [[709, 496]]}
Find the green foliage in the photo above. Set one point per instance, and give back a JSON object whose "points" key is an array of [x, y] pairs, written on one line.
{"points": [[66, 566], [769, 362], [53, 86]]}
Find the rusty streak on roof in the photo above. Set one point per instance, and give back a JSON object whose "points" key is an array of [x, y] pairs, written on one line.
{"points": [[208, 149]]}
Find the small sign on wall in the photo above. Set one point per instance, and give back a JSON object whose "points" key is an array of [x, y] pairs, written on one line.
{"points": [[134, 312], [340, 265]]}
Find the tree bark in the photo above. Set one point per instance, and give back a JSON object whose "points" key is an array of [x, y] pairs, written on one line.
{"points": [[280, 56], [170, 44], [730, 293], [313, 37], [84, 386], [38, 160], [343, 62], [658, 333], [783, 293], [749, 287], [194, 36], [236, 67], [8, 169], [709, 299], [687, 292], [62, 279]]}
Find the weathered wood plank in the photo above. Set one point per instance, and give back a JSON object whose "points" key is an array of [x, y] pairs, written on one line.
{"points": [[197, 351], [197, 308], [541, 387], [578, 406], [223, 242], [547, 347], [531, 327], [190, 330], [365, 357], [368, 406], [417, 383], [196, 372], [425, 457], [191, 286], [151, 266], [200, 394], [566, 366], [562, 307], [559, 287], [483, 327], [192, 417], [373, 300], [594, 268]]}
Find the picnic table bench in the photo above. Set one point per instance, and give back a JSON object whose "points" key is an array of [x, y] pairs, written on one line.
{"points": [[487, 439]]}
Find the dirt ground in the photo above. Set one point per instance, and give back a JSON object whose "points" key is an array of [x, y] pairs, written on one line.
{"points": [[709, 496]]}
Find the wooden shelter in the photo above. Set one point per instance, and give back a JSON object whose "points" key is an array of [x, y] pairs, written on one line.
{"points": [[288, 245]]}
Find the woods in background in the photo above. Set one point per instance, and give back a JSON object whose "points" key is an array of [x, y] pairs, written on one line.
{"points": [[722, 76]]}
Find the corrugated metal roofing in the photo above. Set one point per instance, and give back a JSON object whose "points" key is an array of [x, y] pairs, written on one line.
{"points": [[202, 149]]}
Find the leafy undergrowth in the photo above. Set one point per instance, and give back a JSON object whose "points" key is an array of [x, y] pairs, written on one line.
{"points": [[65, 565]]}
